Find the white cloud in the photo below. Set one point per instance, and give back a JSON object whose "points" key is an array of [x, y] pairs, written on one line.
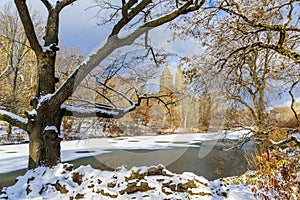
{"points": [[162, 37]]}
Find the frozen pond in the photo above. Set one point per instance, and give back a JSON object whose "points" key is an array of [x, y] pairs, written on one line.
{"points": [[202, 154], [217, 163]]}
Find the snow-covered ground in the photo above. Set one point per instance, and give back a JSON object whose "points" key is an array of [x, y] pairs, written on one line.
{"points": [[15, 157], [144, 182], [155, 182]]}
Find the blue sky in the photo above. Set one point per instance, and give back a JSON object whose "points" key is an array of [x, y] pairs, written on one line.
{"points": [[78, 28], [78, 25]]}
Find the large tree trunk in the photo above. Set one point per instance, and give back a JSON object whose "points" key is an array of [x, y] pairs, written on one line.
{"points": [[45, 138], [44, 131], [44, 149]]}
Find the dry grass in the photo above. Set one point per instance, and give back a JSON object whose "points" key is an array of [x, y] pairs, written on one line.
{"points": [[278, 134], [252, 157]]}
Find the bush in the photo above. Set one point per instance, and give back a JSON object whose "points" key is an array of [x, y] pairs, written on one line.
{"points": [[277, 176]]}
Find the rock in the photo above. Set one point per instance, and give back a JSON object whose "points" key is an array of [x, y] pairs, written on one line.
{"points": [[154, 171], [60, 188], [79, 196], [30, 179], [111, 184], [107, 194], [77, 178], [91, 186], [68, 167], [133, 187], [167, 173], [28, 190]]}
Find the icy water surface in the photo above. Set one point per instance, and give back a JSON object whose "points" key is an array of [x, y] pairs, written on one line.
{"points": [[216, 164]]}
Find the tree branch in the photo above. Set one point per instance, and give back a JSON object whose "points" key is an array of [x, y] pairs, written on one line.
{"points": [[101, 111], [285, 141], [113, 43], [127, 17], [61, 4], [271, 27], [47, 4], [293, 101], [100, 94], [13, 119], [118, 93], [28, 26], [279, 49]]}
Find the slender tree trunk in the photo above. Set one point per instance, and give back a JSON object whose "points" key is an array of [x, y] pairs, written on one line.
{"points": [[261, 111], [14, 92], [292, 106], [9, 131], [79, 126]]}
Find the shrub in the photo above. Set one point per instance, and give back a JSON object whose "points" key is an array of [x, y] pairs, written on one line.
{"points": [[277, 176]]}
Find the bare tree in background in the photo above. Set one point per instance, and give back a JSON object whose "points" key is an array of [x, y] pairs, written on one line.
{"points": [[17, 62], [253, 45]]}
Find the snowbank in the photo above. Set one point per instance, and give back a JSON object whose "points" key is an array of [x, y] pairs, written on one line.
{"points": [[155, 182]]}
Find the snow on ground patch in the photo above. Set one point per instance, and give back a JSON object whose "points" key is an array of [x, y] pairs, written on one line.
{"points": [[155, 182]]}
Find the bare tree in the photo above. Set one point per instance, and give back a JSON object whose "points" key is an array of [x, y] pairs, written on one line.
{"points": [[253, 45], [17, 60], [43, 122]]}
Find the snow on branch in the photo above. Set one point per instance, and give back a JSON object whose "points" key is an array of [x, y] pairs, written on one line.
{"points": [[13, 119], [101, 111], [109, 111]]}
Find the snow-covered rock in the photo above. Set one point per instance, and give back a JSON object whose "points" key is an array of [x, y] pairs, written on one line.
{"points": [[155, 182]]}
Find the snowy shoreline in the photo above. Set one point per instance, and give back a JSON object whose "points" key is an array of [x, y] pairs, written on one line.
{"points": [[154, 182], [15, 157]]}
